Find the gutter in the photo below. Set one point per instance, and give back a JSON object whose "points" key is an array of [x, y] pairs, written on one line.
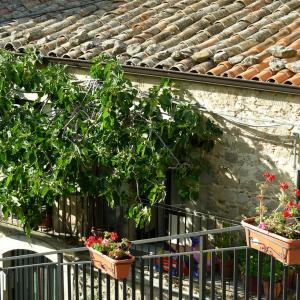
{"points": [[186, 76]]}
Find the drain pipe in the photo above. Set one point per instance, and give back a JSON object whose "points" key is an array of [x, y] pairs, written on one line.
{"points": [[296, 134], [298, 184]]}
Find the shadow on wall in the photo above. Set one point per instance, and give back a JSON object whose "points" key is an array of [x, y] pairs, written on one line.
{"points": [[245, 152], [238, 160], [74, 217]]}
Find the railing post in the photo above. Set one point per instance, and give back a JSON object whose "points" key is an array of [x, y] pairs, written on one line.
{"points": [[298, 283], [247, 279], [223, 279], [212, 276], [191, 275], [202, 268], [235, 275], [272, 278], [60, 277], [133, 281], [260, 258], [285, 283]]}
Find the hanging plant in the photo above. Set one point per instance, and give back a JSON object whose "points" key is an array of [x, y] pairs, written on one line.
{"points": [[107, 139]]}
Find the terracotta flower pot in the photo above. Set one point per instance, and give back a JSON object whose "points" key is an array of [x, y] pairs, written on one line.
{"points": [[285, 250], [228, 268], [118, 269], [277, 289], [46, 222], [252, 284]]}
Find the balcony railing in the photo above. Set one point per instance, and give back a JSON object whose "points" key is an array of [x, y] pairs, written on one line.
{"points": [[159, 272], [74, 217]]}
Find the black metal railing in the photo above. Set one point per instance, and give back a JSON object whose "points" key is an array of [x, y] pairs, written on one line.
{"points": [[199, 272], [74, 217]]}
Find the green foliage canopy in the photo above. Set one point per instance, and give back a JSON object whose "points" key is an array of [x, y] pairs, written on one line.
{"points": [[105, 140]]}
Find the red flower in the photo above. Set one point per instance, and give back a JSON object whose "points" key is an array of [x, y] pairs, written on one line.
{"points": [[90, 241], [298, 205], [297, 192], [99, 240], [286, 214], [114, 236], [269, 177], [283, 186], [291, 204]]}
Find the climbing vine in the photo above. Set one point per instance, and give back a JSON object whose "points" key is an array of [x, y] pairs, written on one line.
{"points": [[104, 139]]}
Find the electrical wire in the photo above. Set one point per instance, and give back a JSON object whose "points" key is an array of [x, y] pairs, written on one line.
{"points": [[269, 123], [192, 213]]}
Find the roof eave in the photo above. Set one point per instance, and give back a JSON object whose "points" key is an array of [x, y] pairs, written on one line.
{"points": [[186, 76]]}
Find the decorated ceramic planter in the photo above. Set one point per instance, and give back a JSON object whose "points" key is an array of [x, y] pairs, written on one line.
{"points": [[285, 250], [118, 269]]}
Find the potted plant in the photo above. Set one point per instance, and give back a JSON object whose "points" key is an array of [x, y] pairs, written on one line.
{"points": [[276, 234], [221, 241], [253, 272], [110, 254], [46, 218]]}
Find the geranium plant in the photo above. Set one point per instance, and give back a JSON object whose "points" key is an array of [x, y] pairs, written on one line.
{"points": [[109, 243], [284, 219]]}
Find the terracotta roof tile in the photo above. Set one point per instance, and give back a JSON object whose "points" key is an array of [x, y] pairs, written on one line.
{"points": [[295, 80], [219, 69], [219, 38], [203, 67], [234, 71], [281, 76], [252, 71], [263, 75]]}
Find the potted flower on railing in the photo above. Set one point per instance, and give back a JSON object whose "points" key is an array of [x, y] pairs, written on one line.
{"points": [[265, 274], [278, 233], [110, 254]]}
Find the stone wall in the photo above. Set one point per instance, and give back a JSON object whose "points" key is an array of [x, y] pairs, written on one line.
{"points": [[244, 152]]}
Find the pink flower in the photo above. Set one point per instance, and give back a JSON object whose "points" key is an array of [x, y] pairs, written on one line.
{"points": [[114, 236], [283, 186], [105, 242], [259, 197], [263, 226]]}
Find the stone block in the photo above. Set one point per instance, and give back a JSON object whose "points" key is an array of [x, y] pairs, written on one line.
{"points": [[277, 64], [282, 51], [294, 66]]}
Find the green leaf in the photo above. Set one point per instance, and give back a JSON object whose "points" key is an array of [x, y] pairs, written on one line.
{"points": [[9, 179]]}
